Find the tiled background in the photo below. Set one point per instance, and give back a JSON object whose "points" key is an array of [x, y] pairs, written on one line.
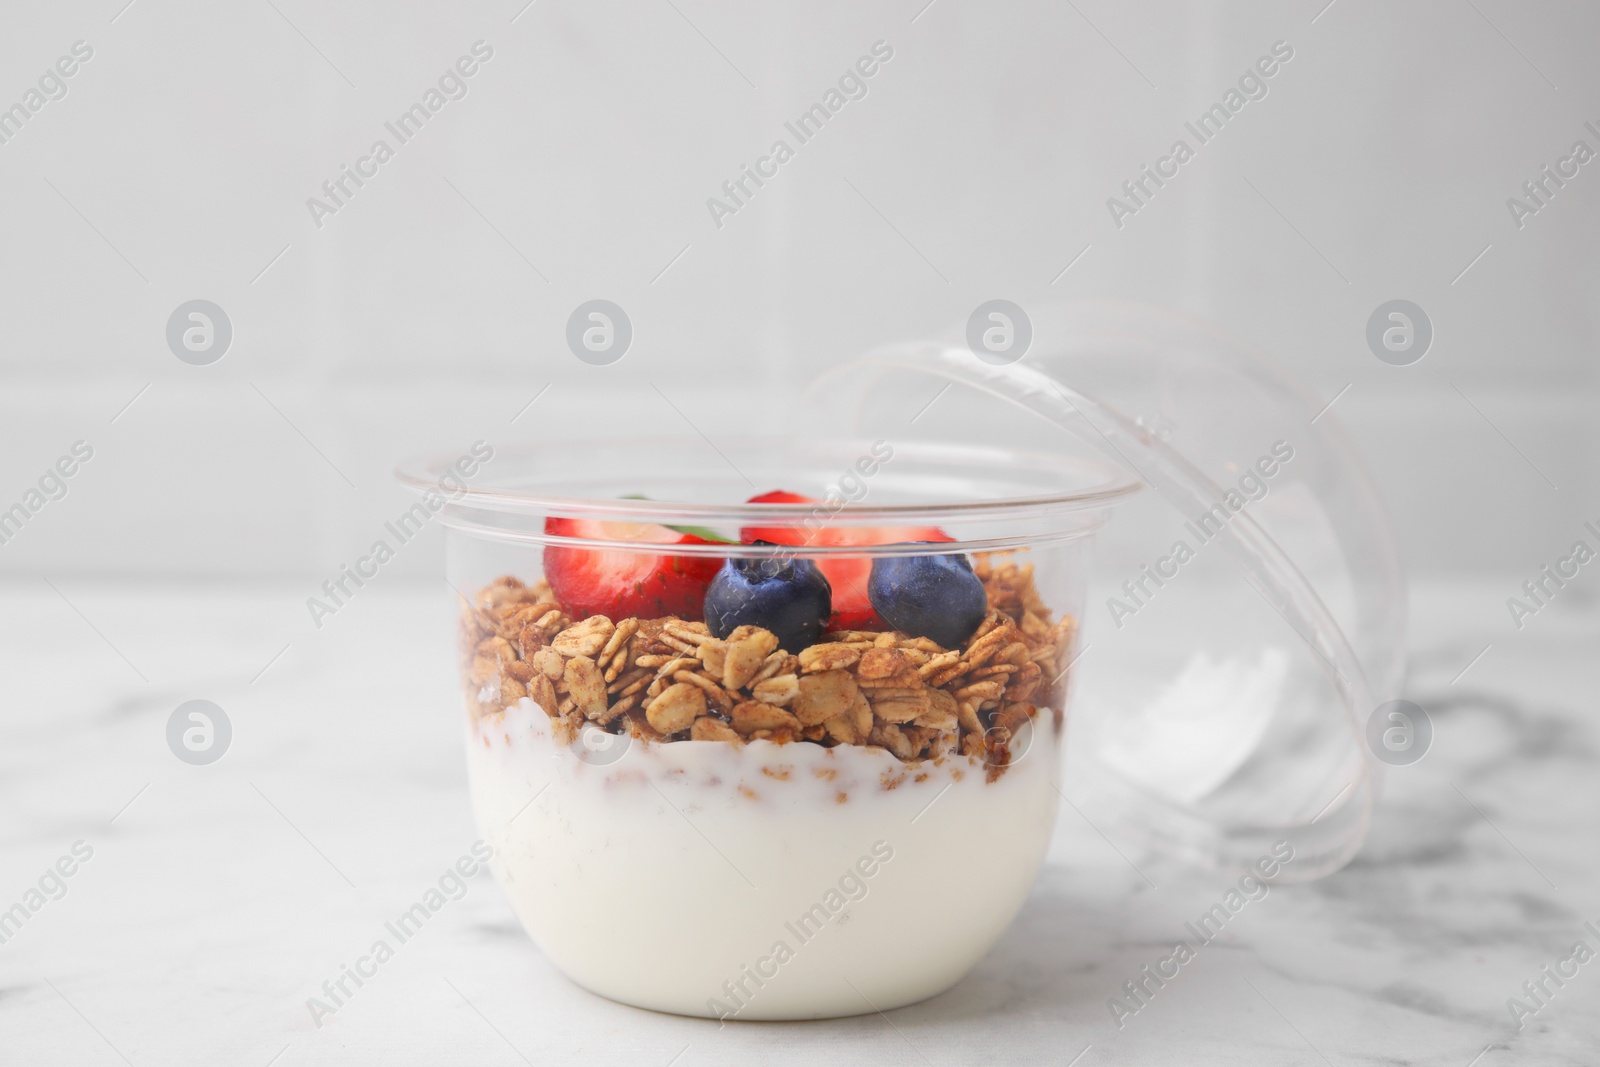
{"points": [[431, 307]]}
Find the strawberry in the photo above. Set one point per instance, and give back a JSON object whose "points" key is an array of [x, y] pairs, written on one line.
{"points": [[847, 575], [622, 583]]}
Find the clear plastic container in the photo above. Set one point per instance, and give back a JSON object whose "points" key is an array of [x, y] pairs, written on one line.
{"points": [[1225, 656], [737, 828]]}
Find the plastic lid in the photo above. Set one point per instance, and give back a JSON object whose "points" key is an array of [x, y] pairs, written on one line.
{"points": [[1245, 616]]}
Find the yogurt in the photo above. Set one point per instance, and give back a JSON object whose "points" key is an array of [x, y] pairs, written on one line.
{"points": [[760, 881]]}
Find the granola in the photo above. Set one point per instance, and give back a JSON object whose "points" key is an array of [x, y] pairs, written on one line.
{"points": [[669, 679]]}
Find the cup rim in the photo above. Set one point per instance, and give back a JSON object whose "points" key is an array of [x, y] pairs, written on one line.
{"points": [[1104, 484]]}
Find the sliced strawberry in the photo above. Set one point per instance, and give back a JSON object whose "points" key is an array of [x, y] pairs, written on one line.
{"points": [[622, 583], [847, 575], [778, 535]]}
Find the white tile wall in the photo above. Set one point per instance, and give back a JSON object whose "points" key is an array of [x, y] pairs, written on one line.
{"points": [[977, 165]]}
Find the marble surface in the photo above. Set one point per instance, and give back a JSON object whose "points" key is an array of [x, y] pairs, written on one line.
{"points": [[217, 899]]}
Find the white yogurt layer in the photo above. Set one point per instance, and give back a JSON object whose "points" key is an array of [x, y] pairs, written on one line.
{"points": [[758, 882]]}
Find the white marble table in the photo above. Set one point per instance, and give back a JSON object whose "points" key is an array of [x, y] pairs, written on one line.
{"points": [[219, 898]]}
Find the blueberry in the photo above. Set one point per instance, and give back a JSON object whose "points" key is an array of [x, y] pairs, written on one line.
{"points": [[937, 597], [790, 597]]}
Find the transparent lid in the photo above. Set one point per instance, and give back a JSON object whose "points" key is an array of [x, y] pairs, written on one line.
{"points": [[1247, 613]]}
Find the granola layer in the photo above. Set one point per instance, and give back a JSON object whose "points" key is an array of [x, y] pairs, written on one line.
{"points": [[670, 680]]}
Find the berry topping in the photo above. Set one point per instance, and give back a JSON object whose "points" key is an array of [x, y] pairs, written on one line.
{"points": [[780, 496], [620, 582], [936, 597], [790, 597], [852, 609]]}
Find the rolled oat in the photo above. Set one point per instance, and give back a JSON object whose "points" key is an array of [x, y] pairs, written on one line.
{"points": [[670, 679]]}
